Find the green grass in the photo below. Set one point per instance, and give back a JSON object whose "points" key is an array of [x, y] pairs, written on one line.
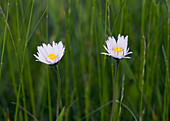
{"points": [[87, 77]]}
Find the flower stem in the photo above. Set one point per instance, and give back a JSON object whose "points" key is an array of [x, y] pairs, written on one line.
{"points": [[49, 96], [114, 86], [121, 99], [58, 90]]}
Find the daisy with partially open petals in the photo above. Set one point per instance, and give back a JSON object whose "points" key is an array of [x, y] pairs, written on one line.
{"points": [[50, 54], [118, 49]]}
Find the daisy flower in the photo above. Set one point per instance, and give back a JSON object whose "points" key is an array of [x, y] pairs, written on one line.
{"points": [[117, 50], [50, 54]]}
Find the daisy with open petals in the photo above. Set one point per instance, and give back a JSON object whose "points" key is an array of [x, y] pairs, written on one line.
{"points": [[50, 54], [118, 49]]}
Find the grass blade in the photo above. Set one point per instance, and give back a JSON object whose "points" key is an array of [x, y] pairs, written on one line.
{"points": [[127, 109], [60, 117]]}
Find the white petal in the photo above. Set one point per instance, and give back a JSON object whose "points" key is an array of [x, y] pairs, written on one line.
{"points": [[36, 56], [54, 44], [40, 59], [45, 48], [122, 42], [105, 53], [129, 52], [60, 49], [50, 49], [127, 57], [125, 43], [42, 52], [111, 43], [106, 48]]}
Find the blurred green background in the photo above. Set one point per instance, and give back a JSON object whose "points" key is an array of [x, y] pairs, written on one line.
{"points": [[86, 75]]}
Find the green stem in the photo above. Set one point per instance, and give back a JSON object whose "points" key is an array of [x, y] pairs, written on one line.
{"points": [[49, 96], [121, 99], [142, 79], [104, 86], [114, 86], [166, 98], [4, 40], [58, 90], [17, 104]]}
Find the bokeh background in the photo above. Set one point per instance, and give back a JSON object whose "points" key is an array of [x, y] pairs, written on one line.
{"points": [[86, 75]]}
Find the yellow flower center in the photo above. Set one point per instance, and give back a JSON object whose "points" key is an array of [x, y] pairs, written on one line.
{"points": [[52, 56], [118, 49]]}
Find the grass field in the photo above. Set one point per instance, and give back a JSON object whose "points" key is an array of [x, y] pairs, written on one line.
{"points": [[29, 89]]}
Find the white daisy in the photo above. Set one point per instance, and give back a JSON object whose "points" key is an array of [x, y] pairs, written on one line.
{"points": [[50, 54], [118, 49]]}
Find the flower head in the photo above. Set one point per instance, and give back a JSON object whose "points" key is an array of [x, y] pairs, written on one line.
{"points": [[50, 54], [118, 49]]}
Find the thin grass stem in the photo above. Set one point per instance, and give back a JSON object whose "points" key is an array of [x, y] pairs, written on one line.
{"points": [[121, 99], [166, 84], [142, 80], [128, 109], [104, 92], [22, 66], [31, 89], [59, 99], [49, 96], [10, 33], [118, 15], [99, 108], [4, 40], [48, 79], [114, 86]]}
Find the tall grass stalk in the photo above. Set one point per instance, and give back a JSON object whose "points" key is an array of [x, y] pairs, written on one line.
{"points": [[24, 98], [31, 89], [48, 78], [114, 90], [121, 16], [68, 13], [108, 17], [68, 53], [105, 30], [17, 17], [142, 80], [12, 72], [5, 36], [166, 84], [168, 56], [10, 33], [168, 28], [17, 104], [143, 18], [32, 116], [155, 49], [98, 59], [104, 86], [58, 91], [148, 80], [101, 48], [121, 98], [49, 95], [127, 109], [22, 66], [118, 16], [99, 108], [90, 53], [141, 57], [82, 62]]}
